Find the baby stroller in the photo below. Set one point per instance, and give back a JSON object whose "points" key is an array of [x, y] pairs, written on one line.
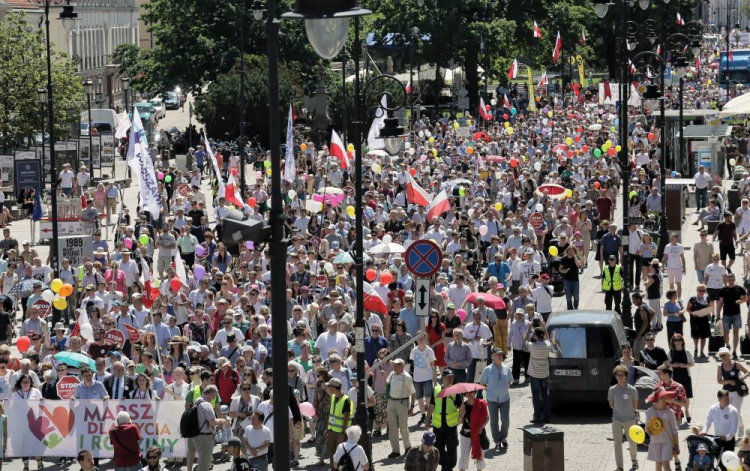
{"points": [[712, 449]]}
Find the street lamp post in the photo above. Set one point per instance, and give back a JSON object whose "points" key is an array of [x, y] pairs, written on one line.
{"points": [[42, 93], [68, 17], [680, 69], [243, 125], [125, 87], [88, 86]]}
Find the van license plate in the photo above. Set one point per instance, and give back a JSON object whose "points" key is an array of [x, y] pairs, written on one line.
{"points": [[567, 372]]}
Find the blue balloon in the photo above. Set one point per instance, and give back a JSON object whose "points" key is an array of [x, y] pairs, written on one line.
{"points": [[617, 122], [513, 111], [674, 173]]}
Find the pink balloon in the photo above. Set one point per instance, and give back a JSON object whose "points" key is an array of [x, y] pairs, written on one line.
{"points": [[160, 176], [258, 175], [422, 158], [461, 313], [483, 230], [200, 251], [199, 272], [128, 242], [307, 409]]}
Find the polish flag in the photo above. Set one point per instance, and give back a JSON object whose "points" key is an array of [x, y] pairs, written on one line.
{"points": [[698, 62], [543, 80], [438, 206], [680, 21], [537, 31], [232, 192], [658, 50], [415, 193], [506, 102], [337, 149], [731, 57], [372, 300], [408, 87], [632, 67], [558, 47], [583, 38], [513, 69], [483, 112]]}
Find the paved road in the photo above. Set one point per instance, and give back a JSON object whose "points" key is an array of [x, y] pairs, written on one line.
{"points": [[588, 436]]}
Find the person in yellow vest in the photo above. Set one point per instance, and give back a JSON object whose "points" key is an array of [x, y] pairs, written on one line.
{"points": [[339, 416], [612, 284], [443, 417]]}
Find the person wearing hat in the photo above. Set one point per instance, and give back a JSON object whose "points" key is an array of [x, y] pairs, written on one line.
{"points": [[400, 406], [702, 461], [661, 425], [427, 457], [497, 377], [612, 284], [340, 415], [725, 419], [443, 417]]}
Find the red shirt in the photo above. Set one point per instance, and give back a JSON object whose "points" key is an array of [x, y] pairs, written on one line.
{"points": [[226, 382], [604, 205], [679, 395], [127, 450]]}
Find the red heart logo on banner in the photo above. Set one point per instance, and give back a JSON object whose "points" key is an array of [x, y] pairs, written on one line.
{"points": [[62, 418]]}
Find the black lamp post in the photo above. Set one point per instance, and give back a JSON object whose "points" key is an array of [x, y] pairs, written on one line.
{"points": [[42, 93], [68, 16], [680, 66], [88, 87], [125, 88], [327, 29], [416, 92]]}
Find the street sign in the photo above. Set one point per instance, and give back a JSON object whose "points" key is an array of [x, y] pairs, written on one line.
{"points": [[133, 334], [422, 297], [44, 308], [66, 387], [75, 248], [536, 220], [183, 190], [637, 220], [423, 258], [114, 337], [64, 228]]}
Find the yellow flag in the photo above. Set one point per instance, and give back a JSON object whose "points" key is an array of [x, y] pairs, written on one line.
{"points": [[532, 102], [581, 75]]}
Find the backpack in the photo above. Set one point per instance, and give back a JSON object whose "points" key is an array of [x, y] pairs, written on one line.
{"points": [[346, 463], [189, 424]]}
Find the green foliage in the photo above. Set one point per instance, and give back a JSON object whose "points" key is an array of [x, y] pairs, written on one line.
{"points": [[23, 69], [218, 109]]}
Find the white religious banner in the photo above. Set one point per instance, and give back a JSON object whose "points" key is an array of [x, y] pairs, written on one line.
{"points": [[215, 164], [290, 171], [373, 141], [140, 162], [63, 428]]}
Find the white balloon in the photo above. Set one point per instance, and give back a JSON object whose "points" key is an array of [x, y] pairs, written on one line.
{"points": [[86, 331], [428, 133], [537, 166], [539, 208], [411, 151], [493, 102], [421, 133], [483, 230], [387, 239], [292, 194], [48, 295], [407, 145], [730, 460]]}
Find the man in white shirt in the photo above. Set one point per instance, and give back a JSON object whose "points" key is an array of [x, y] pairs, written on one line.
{"points": [[702, 181], [221, 339], [715, 278], [674, 259], [66, 180], [257, 438], [478, 335], [331, 339], [542, 295], [725, 419], [743, 214]]}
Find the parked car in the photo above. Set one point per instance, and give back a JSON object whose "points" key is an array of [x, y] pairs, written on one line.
{"points": [[146, 111], [588, 344], [103, 119], [159, 110], [171, 101]]}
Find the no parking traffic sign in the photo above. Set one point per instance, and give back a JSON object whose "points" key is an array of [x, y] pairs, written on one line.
{"points": [[423, 258]]}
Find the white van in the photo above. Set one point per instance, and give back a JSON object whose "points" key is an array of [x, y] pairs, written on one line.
{"points": [[105, 120]]}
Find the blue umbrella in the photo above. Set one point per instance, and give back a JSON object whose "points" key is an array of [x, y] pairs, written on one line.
{"points": [[26, 287], [74, 360], [347, 257]]}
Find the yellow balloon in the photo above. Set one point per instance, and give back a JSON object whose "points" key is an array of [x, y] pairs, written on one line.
{"points": [[268, 171], [568, 141], [434, 152], [549, 114], [568, 192], [732, 162], [637, 434], [350, 211], [498, 206], [553, 251], [55, 285], [506, 124], [60, 303], [377, 168], [709, 81], [350, 147], [431, 140], [609, 144], [456, 126], [510, 130], [618, 148], [468, 122], [523, 158]]}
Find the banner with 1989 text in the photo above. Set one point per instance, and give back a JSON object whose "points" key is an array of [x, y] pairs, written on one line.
{"points": [[63, 428]]}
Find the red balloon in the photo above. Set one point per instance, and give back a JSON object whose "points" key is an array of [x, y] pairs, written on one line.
{"points": [[577, 138], [487, 106], [23, 343], [371, 275], [513, 163], [505, 117], [611, 151], [175, 284], [234, 172], [551, 123], [597, 185], [412, 171], [571, 153], [585, 148], [651, 136], [386, 278], [252, 201], [579, 129]]}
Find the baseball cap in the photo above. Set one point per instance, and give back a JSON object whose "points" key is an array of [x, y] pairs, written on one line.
{"points": [[335, 382], [234, 441], [428, 438]]}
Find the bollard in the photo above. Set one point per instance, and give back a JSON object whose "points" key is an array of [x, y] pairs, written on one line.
{"points": [[543, 448]]}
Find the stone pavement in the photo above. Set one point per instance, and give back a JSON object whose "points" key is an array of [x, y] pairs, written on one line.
{"points": [[588, 436]]}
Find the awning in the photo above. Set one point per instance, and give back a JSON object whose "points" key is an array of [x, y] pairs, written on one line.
{"points": [[704, 130], [735, 106]]}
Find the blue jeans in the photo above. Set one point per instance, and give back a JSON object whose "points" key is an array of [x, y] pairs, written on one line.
{"points": [[571, 292], [701, 197], [260, 462], [499, 433], [701, 275], [540, 399]]}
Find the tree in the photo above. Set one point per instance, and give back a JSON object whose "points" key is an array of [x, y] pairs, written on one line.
{"points": [[217, 107], [23, 70]]}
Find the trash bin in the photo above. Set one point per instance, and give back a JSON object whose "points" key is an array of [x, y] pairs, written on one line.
{"points": [[543, 448]]}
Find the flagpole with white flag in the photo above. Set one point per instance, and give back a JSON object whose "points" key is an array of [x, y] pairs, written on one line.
{"points": [[139, 160], [373, 141], [290, 170]]}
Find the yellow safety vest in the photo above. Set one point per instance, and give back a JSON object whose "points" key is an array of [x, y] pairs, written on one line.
{"points": [[608, 283], [451, 411], [80, 279], [336, 415]]}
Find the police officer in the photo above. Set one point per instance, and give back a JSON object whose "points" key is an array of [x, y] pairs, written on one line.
{"points": [[443, 415], [612, 284]]}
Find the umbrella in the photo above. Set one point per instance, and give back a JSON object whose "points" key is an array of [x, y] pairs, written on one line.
{"points": [[386, 248], [25, 287], [348, 257], [378, 152], [595, 127], [552, 190], [490, 300], [331, 190], [481, 135], [495, 158], [461, 388], [74, 359], [460, 181]]}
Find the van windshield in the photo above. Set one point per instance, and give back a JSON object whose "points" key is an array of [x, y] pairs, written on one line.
{"points": [[571, 342]]}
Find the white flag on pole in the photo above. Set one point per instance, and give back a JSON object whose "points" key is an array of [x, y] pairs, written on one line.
{"points": [[290, 170], [215, 164], [373, 141], [140, 162]]}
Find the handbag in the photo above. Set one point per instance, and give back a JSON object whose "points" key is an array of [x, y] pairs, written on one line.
{"points": [[484, 440], [741, 388]]}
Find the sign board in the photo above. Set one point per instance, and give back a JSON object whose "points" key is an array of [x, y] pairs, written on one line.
{"points": [[66, 387], [322, 281], [84, 144], [422, 297], [66, 153], [183, 190], [96, 152], [423, 258], [536, 220], [114, 337], [133, 334], [64, 228], [28, 175], [44, 308], [75, 248], [637, 220], [463, 132], [108, 150], [6, 170]]}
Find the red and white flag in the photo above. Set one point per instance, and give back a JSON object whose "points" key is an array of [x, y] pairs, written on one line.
{"points": [[680, 21], [415, 193], [337, 149], [506, 102], [558, 47], [438, 206], [232, 192], [632, 67], [583, 38], [537, 31], [731, 57], [513, 72], [372, 300], [408, 87], [483, 112], [698, 62], [658, 50], [543, 80]]}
